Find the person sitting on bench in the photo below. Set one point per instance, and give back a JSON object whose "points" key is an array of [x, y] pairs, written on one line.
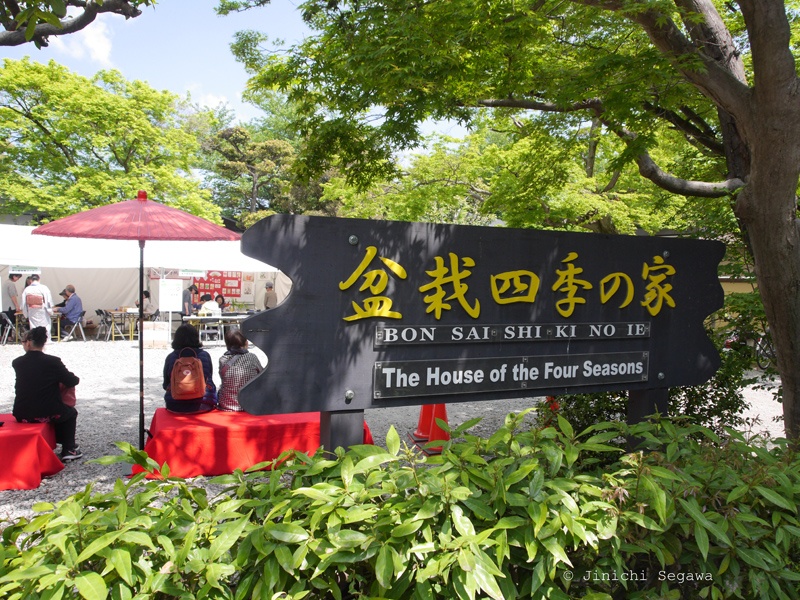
{"points": [[236, 367], [186, 376], [38, 394]]}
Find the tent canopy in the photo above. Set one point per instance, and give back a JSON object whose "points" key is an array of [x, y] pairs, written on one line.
{"points": [[19, 247], [105, 272]]}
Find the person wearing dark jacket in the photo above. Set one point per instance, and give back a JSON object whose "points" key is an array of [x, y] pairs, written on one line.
{"points": [[186, 343], [38, 394]]}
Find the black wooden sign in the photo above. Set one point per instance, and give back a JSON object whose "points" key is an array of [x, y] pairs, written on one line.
{"points": [[387, 313]]}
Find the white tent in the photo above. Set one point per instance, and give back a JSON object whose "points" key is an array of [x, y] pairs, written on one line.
{"points": [[104, 272]]}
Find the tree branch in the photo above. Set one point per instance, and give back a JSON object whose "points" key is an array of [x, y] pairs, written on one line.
{"points": [[593, 104], [16, 37], [612, 182], [702, 189], [647, 166], [65, 151], [704, 137], [770, 45], [710, 62]]}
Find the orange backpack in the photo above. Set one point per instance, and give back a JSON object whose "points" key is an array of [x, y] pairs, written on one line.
{"points": [[187, 381]]}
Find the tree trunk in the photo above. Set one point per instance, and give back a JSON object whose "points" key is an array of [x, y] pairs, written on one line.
{"points": [[767, 207], [254, 191], [760, 124]]}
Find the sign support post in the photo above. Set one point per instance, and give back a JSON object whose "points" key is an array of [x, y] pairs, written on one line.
{"points": [[642, 404], [341, 428]]}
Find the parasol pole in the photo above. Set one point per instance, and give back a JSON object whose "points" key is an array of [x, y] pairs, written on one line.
{"points": [[141, 344]]}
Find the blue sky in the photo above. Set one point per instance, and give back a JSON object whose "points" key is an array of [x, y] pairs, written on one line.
{"points": [[179, 45]]}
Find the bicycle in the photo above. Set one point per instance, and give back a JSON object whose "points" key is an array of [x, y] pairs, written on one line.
{"points": [[765, 351]]}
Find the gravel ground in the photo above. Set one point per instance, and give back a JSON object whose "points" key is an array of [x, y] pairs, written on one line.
{"points": [[108, 402]]}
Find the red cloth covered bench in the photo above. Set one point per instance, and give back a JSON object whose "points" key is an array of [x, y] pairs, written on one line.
{"points": [[219, 442], [27, 453]]}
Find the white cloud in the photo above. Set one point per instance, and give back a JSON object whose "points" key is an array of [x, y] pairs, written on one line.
{"points": [[92, 43], [205, 99], [210, 100]]}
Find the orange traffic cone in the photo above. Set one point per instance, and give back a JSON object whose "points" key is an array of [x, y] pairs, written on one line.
{"points": [[437, 434], [424, 424]]}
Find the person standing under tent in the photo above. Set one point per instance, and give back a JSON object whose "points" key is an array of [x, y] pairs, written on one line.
{"points": [[210, 308], [270, 298], [186, 300], [11, 297], [37, 304]]}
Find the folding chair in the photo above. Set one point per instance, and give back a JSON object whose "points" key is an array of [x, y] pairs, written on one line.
{"points": [[102, 324], [113, 326], [211, 331], [77, 325], [156, 316], [8, 327]]}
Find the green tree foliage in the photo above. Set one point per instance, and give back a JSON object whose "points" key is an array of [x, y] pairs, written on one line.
{"points": [[494, 172], [279, 119], [447, 185], [70, 143], [251, 175], [250, 168], [700, 98], [37, 20]]}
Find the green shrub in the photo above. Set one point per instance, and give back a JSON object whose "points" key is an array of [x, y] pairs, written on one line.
{"points": [[525, 513]]}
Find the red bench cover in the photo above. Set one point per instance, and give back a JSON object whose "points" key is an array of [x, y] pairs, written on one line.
{"points": [[219, 442], [27, 453]]}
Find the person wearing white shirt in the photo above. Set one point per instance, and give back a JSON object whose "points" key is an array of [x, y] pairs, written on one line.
{"points": [[37, 304], [209, 307]]}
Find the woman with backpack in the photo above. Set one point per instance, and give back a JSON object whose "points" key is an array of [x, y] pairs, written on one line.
{"points": [[188, 372]]}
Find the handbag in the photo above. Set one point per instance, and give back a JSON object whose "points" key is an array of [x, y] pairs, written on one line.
{"points": [[67, 394]]}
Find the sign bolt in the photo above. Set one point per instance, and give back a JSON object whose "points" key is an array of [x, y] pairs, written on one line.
{"points": [[348, 396], [665, 254], [353, 240], [661, 376]]}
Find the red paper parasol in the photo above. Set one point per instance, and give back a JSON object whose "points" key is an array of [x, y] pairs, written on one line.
{"points": [[140, 220]]}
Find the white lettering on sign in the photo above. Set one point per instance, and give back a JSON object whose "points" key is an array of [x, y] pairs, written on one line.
{"points": [[472, 334], [554, 371], [565, 331], [591, 369], [408, 334], [398, 379], [522, 332], [391, 335], [523, 373], [462, 376], [437, 376], [609, 330], [637, 329]]}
